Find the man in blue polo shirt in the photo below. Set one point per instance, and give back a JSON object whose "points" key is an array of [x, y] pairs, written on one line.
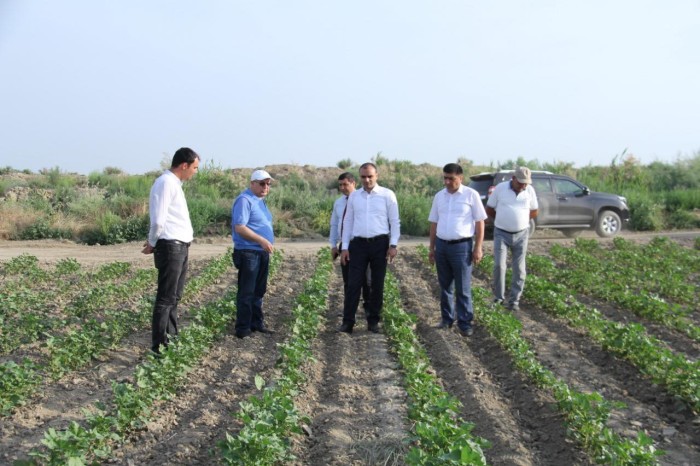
{"points": [[253, 240]]}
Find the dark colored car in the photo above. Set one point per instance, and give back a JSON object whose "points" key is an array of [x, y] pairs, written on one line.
{"points": [[564, 203]]}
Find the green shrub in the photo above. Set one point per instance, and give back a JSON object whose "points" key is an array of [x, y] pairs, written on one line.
{"points": [[321, 218], [63, 196], [113, 171], [682, 220], [209, 215], [214, 178], [42, 229], [87, 207], [125, 206], [111, 229], [281, 227], [686, 199], [645, 214], [414, 210], [344, 164]]}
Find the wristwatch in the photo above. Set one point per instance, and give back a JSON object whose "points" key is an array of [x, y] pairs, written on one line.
{"points": [[392, 246]]}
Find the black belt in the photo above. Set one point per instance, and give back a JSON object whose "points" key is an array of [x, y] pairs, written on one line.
{"points": [[373, 238], [511, 232], [175, 241], [455, 241]]}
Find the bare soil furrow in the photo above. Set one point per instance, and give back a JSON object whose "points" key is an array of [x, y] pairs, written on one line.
{"points": [[354, 396], [519, 420]]}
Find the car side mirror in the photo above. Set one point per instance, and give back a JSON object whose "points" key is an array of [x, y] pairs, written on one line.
{"points": [[586, 191]]}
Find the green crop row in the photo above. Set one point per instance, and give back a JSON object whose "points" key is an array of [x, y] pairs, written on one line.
{"points": [[623, 277], [79, 346], [676, 372], [439, 435], [587, 275], [157, 379], [586, 414], [26, 309]]}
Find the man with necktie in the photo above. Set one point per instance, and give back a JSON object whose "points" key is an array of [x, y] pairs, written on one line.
{"points": [[371, 231], [346, 185]]}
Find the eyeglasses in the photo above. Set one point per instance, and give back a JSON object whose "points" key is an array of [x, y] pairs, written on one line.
{"points": [[264, 183], [449, 178]]}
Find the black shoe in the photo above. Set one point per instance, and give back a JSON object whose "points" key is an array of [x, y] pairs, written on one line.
{"points": [[466, 332], [243, 334], [374, 328], [345, 328], [263, 330], [444, 325]]}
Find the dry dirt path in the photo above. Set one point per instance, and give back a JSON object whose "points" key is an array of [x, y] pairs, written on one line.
{"points": [[354, 395], [51, 251]]}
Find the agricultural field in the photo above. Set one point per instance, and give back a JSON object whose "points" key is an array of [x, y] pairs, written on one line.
{"points": [[599, 366]]}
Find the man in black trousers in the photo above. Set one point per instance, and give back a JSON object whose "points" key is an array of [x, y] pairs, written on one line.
{"points": [[346, 185], [169, 239], [371, 230]]}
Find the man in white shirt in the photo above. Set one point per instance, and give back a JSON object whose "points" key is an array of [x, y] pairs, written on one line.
{"points": [[371, 231], [456, 237], [513, 203], [346, 185], [169, 239]]}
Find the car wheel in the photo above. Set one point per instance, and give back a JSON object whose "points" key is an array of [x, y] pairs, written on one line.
{"points": [[609, 224], [571, 232], [531, 228]]}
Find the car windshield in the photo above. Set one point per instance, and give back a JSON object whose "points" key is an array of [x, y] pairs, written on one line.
{"points": [[482, 186]]}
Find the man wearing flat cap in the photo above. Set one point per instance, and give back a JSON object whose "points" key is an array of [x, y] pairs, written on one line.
{"points": [[512, 204], [253, 239]]}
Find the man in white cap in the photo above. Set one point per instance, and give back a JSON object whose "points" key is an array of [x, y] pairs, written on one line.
{"points": [[253, 239], [512, 204]]}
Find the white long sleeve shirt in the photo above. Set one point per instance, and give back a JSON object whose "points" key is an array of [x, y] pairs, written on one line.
{"points": [[170, 218], [372, 214], [337, 220]]}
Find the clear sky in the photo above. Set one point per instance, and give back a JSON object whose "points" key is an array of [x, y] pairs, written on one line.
{"points": [[91, 84]]}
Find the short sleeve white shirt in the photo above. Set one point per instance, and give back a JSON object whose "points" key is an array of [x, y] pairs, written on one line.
{"points": [[456, 213], [512, 210]]}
